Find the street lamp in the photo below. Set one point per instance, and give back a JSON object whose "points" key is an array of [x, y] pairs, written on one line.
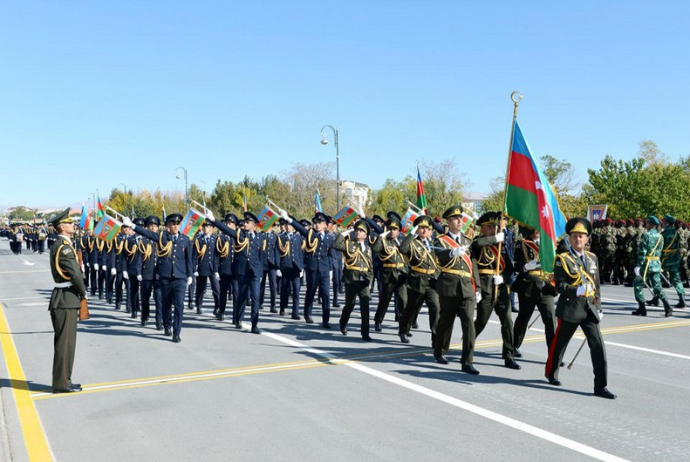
{"points": [[324, 141], [178, 176], [124, 187]]}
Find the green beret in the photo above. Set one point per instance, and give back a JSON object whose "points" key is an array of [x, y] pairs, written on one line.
{"points": [[653, 220], [669, 219]]}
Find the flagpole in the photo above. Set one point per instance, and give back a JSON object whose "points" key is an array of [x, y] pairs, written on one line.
{"points": [[515, 97]]}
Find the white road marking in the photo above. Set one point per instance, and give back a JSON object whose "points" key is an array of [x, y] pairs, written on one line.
{"points": [[32, 271], [28, 263], [23, 298], [32, 304], [499, 418]]}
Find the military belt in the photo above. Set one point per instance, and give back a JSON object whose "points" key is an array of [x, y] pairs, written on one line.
{"points": [[487, 271], [534, 273], [465, 274], [63, 285], [652, 258], [357, 268], [393, 265], [416, 269]]}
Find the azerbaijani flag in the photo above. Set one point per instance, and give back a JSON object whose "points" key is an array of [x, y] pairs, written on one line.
{"points": [[191, 223], [421, 198], [107, 228], [244, 201], [466, 224], [85, 221], [530, 200], [99, 208], [266, 218], [317, 202], [407, 221], [346, 216]]}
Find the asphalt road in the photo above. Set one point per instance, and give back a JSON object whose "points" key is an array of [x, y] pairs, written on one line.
{"points": [[298, 392]]}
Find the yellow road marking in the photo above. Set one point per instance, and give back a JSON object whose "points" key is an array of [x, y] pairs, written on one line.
{"points": [[34, 436]]}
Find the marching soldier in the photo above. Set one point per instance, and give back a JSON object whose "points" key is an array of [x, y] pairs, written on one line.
{"points": [[174, 270], [270, 272], [317, 263], [149, 282], [206, 264], [670, 257], [648, 267], [336, 264], [358, 273], [576, 273], [421, 280], [118, 265], [134, 263], [64, 302], [225, 253], [458, 290], [495, 267], [42, 235], [532, 290], [290, 246], [250, 253]]}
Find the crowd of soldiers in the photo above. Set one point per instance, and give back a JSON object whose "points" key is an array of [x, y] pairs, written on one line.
{"points": [[35, 237], [617, 244]]}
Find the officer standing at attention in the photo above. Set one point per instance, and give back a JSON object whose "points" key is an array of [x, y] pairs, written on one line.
{"points": [[174, 271], [458, 290], [576, 273], [64, 302], [359, 271], [495, 268]]}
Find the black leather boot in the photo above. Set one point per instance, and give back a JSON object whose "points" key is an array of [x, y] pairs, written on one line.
{"points": [[668, 311], [641, 310]]}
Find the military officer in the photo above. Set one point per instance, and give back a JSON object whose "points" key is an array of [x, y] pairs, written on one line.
{"points": [[359, 271], [225, 253], [175, 270], [133, 260], [495, 268], [118, 265], [250, 253], [336, 264], [149, 282], [270, 273], [576, 274], [64, 302], [458, 290], [206, 263], [421, 280], [317, 263], [533, 289], [648, 267]]}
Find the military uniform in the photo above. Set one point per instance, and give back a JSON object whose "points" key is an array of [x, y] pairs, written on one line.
{"points": [[270, 273], [225, 253], [577, 281], [671, 257], [134, 268], [457, 289], [64, 306], [149, 282], [421, 280], [358, 273], [206, 263], [290, 246], [648, 267]]}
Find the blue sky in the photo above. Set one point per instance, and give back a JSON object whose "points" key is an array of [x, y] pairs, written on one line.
{"points": [[97, 93]]}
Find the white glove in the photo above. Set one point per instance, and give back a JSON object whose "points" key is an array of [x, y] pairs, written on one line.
{"points": [[346, 232], [637, 270], [217, 276], [113, 271], [279, 273], [139, 277], [128, 222], [284, 215], [498, 280], [385, 233], [458, 251], [95, 266], [85, 297], [414, 230], [478, 296], [301, 273], [531, 265], [361, 212], [196, 273], [330, 274], [210, 216], [580, 291], [189, 281], [500, 237], [125, 275], [82, 267]]}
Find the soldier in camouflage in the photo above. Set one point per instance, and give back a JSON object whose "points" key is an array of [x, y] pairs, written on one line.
{"points": [[648, 267], [670, 257]]}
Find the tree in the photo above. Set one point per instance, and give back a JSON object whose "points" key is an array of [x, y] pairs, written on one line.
{"points": [[651, 154]]}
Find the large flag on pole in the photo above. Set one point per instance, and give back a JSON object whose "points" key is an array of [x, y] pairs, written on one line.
{"points": [[317, 202], [85, 221], [421, 198], [244, 200], [191, 223], [107, 228], [530, 200]]}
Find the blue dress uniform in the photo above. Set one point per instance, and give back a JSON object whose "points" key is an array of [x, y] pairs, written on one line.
{"points": [[250, 253], [290, 246], [89, 258], [149, 282], [134, 268], [270, 270], [225, 254], [318, 265], [120, 258], [101, 268], [337, 269], [204, 257], [378, 265], [42, 235], [175, 269]]}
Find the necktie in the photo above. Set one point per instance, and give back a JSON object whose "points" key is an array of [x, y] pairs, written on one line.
{"points": [[584, 261], [174, 239]]}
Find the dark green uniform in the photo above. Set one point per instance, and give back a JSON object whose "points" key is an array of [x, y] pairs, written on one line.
{"points": [[358, 273], [64, 308], [570, 272], [649, 263], [670, 258], [393, 276]]}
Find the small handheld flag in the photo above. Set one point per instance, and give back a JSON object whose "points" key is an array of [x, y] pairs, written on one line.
{"points": [[107, 228], [99, 209], [421, 198], [407, 221], [345, 216], [266, 218], [191, 223]]}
